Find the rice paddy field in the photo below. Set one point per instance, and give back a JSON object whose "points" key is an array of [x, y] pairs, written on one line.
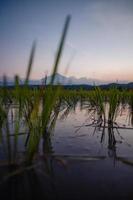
{"points": [[65, 144]]}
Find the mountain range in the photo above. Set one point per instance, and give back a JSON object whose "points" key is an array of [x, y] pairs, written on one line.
{"points": [[63, 80]]}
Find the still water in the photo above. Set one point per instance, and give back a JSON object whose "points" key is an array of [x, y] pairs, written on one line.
{"points": [[81, 162], [72, 137]]}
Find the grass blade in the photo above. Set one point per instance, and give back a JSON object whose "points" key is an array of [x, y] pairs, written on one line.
{"points": [[60, 48], [30, 64]]}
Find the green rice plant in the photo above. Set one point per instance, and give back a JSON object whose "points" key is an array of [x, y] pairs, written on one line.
{"points": [[69, 102], [48, 98], [130, 102], [3, 114], [99, 102], [31, 59], [114, 101]]}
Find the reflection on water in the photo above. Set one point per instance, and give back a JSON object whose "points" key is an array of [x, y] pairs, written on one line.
{"points": [[75, 136], [71, 133], [76, 156]]}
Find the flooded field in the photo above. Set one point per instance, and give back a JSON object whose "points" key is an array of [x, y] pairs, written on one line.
{"points": [[79, 160]]}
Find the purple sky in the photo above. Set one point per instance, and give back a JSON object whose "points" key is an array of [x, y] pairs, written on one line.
{"points": [[99, 42]]}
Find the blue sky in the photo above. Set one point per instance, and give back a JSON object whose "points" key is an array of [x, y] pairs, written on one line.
{"points": [[99, 43]]}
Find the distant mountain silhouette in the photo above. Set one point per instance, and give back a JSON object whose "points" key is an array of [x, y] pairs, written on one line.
{"points": [[63, 80], [71, 82], [10, 81]]}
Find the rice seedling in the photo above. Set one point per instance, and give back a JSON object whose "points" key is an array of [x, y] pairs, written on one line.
{"points": [[130, 102], [113, 105], [49, 98], [37, 109]]}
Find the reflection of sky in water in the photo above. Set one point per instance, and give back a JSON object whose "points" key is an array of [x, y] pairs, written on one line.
{"points": [[74, 175], [67, 140]]}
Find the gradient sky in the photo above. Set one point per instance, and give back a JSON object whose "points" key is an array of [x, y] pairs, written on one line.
{"points": [[99, 42]]}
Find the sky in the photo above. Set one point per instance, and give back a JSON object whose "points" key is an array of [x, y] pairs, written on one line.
{"points": [[99, 43]]}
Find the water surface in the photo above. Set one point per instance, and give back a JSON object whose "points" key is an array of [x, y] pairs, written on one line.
{"points": [[80, 162]]}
